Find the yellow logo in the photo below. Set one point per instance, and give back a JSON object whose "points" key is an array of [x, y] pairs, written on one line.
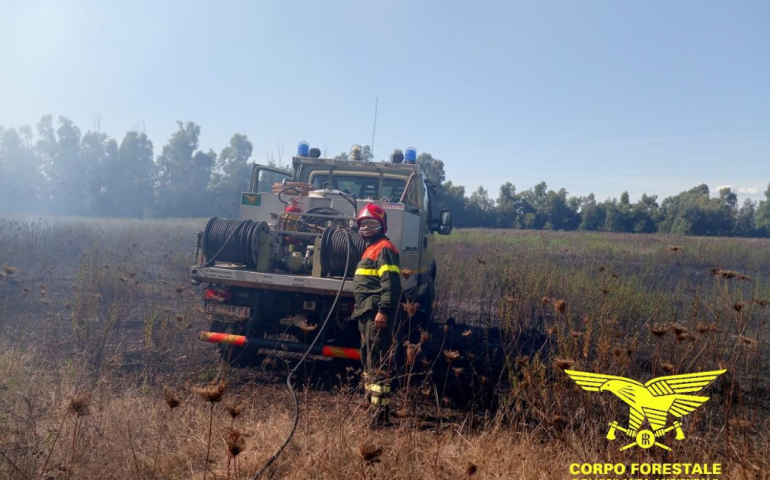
{"points": [[653, 401]]}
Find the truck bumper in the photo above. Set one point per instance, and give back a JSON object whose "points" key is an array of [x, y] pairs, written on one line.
{"points": [[242, 341]]}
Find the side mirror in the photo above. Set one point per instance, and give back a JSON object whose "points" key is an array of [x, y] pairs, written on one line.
{"points": [[445, 223]]}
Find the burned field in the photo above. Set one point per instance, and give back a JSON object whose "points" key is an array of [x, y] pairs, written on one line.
{"points": [[102, 374]]}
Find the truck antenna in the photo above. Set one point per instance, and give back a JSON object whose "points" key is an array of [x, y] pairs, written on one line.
{"points": [[374, 130]]}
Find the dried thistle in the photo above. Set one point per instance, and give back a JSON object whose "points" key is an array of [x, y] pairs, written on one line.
{"points": [[762, 302], [560, 306], [667, 367], [552, 330], [604, 291], [411, 308], [369, 452], [172, 400], [412, 349], [747, 341], [425, 391], [9, 270], [737, 307], [727, 274], [680, 337], [235, 409], [79, 404], [509, 299], [674, 248], [424, 336], [702, 328], [616, 351], [457, 371], [212, 392], [451, 355], [179, 289], [678, 329], [576, 333], [659, 330], [544, 301], [467, 333], [563, 363], [236, 442]]}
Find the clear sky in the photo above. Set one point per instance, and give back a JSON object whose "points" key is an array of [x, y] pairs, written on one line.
{"points": [[597, 96]]}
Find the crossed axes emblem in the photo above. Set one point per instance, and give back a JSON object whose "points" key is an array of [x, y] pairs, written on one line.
{"points": [[645, 438]]}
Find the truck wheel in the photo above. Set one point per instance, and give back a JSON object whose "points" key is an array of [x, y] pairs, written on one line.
{"points": [[425, 314], [236, 356]]}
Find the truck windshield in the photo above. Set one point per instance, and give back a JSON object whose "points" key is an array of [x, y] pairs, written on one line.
{"points": [[363, 186]]}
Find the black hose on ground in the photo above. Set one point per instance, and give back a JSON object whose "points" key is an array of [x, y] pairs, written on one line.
{"points": [[294, 370]]}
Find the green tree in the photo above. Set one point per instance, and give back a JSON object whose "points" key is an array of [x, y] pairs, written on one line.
{"points": [[131, 193], [745, 219], [432, 168], [100, 158], [21, 181], [185, 173], [64, 166], [592, 214], [232, 175], [762, 215]]}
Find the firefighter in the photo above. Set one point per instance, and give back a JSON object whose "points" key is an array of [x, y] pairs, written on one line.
{"points": [[377, 289]]}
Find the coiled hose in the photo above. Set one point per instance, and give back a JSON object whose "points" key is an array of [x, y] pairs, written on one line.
{"points": [[294, 370], [234, 241], [336, 258]]}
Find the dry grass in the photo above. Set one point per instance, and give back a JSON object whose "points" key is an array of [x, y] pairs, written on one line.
{"points": [[101, 375]]}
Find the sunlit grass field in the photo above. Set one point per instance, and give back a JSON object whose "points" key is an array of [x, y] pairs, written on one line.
{"points": [[98, 338]]}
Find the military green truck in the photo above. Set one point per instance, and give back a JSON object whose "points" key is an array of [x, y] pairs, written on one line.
{"points": [[273, 276]]}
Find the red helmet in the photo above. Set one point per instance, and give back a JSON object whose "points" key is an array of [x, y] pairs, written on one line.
{"points": [[374, 212]]}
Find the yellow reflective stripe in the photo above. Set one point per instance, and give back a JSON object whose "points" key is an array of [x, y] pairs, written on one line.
{"points": [[378, 388], [388, 268], [379, 401], [367, 271], [374, 272]]}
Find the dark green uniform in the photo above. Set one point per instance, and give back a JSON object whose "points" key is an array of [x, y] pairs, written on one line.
{"points": [[377, 288]]}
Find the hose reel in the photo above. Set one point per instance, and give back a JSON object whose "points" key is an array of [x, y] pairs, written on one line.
{"points": [[234, 241], [335, 252]]}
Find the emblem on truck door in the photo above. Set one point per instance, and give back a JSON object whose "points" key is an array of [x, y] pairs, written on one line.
{"points": [[251, 199]]}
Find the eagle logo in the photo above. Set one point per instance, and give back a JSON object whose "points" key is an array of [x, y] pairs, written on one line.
{"points": [[654, 401], [250, 199]]}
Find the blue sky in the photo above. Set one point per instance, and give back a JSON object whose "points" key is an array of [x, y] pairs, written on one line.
{"points": [[595, 96]]}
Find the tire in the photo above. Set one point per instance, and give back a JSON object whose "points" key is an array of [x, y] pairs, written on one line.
{"points": [[425, 313]]}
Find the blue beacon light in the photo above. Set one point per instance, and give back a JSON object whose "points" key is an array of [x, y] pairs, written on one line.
{"points": [[410, 155]]}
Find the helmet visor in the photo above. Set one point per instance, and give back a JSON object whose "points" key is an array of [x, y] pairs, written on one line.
{"points": [[369, 226]]}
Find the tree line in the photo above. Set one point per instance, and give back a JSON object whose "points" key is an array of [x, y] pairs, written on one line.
{"points": [[57, 169], [692, 212]]}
